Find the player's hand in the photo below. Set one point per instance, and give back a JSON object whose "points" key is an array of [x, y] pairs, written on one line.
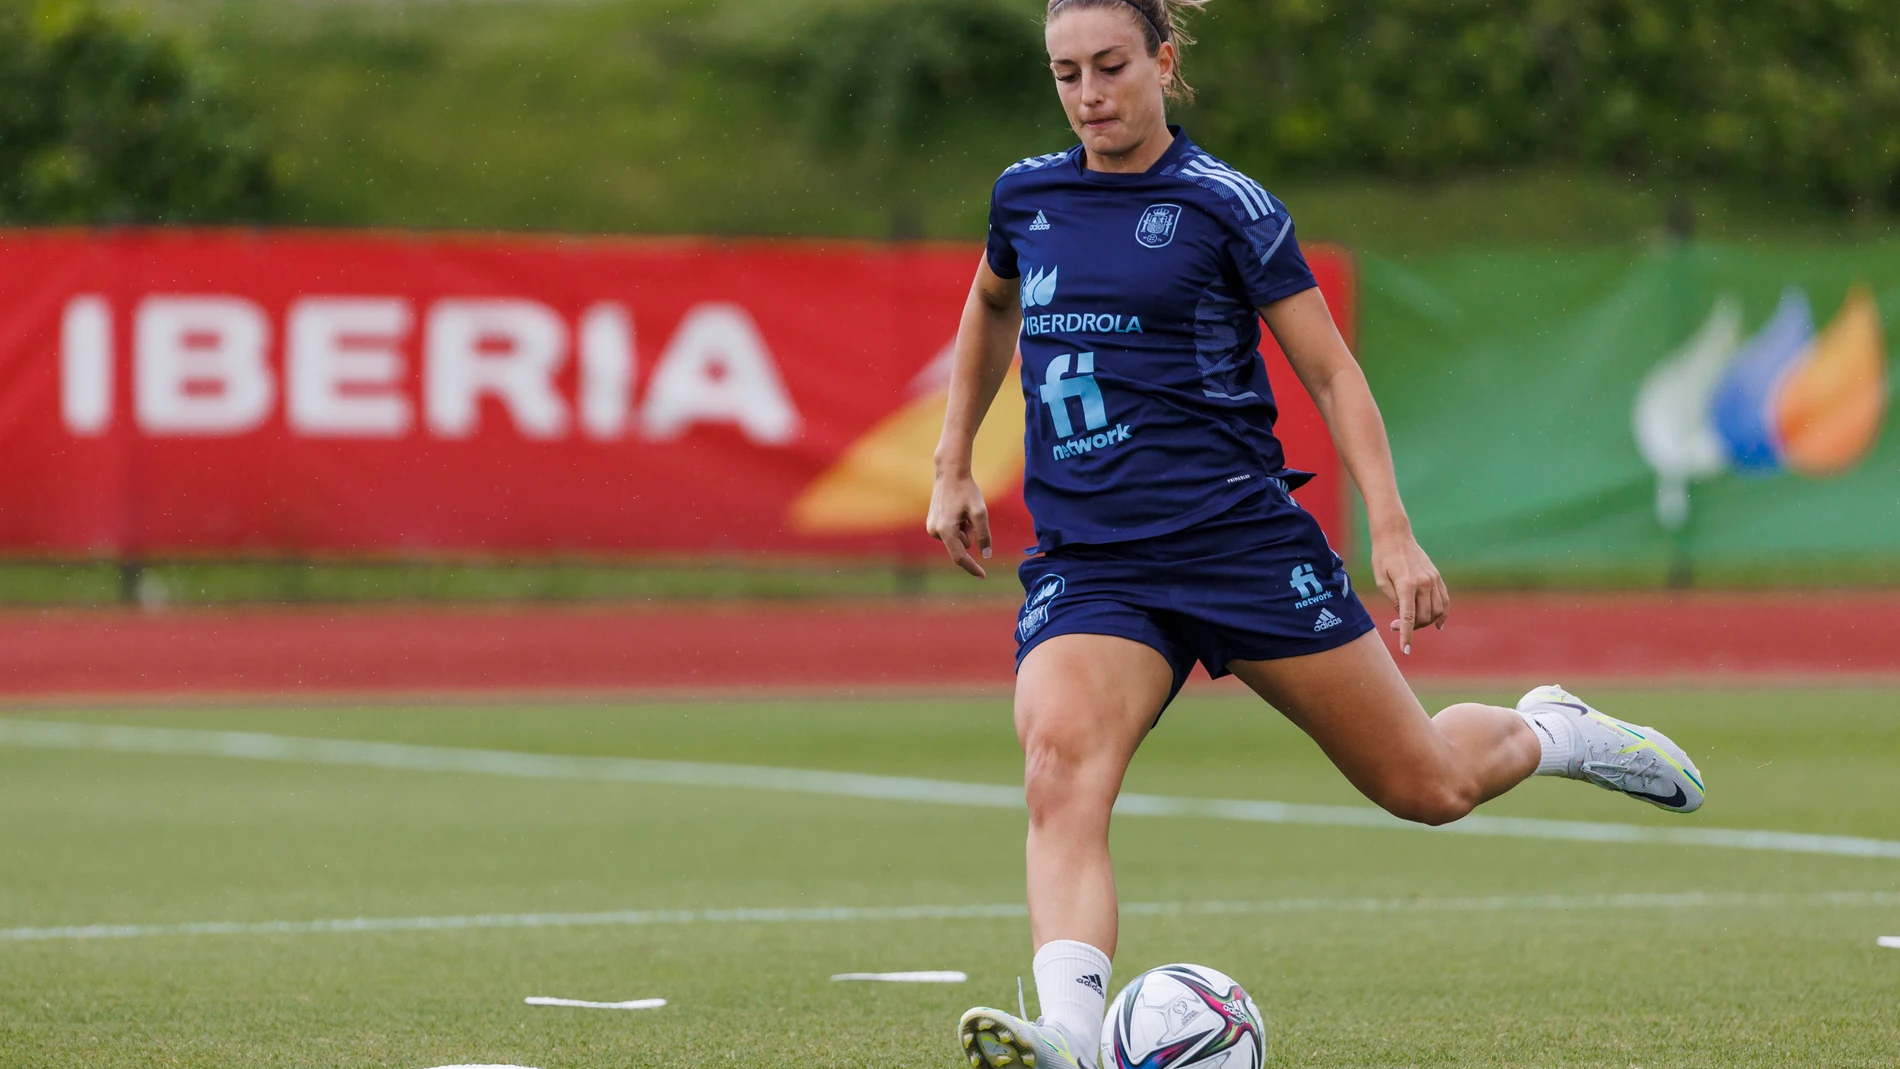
{"points": [[1407, 577], [960, 520]]}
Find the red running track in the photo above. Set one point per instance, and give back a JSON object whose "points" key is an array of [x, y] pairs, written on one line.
{"points": [[420, 651]]}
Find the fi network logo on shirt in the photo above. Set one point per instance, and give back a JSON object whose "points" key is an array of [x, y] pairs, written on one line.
{"points": [[1059, 387], [1039, 287]]}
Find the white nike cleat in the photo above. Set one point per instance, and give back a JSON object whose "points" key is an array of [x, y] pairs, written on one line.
{"points": [[994, 1039], [1618, 756]]}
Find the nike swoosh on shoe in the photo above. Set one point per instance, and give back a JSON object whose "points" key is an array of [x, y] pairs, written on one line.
{"points": [[1674, 801]]}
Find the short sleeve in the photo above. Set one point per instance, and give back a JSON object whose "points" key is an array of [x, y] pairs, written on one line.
{"points": [[997, 248], [1268, 259]]}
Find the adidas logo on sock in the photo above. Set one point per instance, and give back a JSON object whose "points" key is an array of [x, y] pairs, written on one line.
{"points": [[1041, 223], [1326, 620], [1093, 982]]}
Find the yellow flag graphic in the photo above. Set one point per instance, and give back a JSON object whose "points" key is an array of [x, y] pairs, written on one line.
{"points": [[882, 482]]}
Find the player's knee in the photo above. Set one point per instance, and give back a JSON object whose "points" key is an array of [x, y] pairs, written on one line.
{"points": [[1053, 769], [1432, 802], [1061, 774]]}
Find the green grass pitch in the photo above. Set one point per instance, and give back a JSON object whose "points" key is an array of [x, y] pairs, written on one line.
{"points": [[1765, 972]]}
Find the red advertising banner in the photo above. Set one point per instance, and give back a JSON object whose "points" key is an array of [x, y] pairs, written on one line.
{"points": [[171, 393]]}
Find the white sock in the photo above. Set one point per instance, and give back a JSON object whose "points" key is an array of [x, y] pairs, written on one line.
{"points": [[1556, 741], [1072, 991]]}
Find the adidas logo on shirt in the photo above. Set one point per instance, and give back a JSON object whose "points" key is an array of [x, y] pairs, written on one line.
{"points": [[1041, 223], [1326, 620]]}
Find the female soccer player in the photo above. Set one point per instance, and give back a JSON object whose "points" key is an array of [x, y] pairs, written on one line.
{"points": [[1130, 270]]}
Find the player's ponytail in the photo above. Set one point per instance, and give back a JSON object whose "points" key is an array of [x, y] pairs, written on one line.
{"points": [[1159, 20]]}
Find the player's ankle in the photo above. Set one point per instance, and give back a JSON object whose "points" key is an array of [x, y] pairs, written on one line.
{"points": [[1556, 742], [1072, 990]]}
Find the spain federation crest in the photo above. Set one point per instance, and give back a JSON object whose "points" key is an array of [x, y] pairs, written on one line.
{"points": [[1157, 225]]}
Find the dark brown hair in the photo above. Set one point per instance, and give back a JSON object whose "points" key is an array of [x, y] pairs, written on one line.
{"points": [[1159, 20]]}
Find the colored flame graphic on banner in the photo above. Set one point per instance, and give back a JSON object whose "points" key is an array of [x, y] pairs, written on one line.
{"points": [[1785, 399], [882, 482]]}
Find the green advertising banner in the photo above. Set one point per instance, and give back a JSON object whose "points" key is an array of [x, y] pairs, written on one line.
{"points": [[1690, 414]]}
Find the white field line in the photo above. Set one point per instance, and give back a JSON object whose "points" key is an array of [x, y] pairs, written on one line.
{"points": [[583, 1004], [927, 976], [258, 747], [1012, 911]]}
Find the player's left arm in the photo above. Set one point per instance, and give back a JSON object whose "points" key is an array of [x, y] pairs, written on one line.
{"points": [[1307, 334]]}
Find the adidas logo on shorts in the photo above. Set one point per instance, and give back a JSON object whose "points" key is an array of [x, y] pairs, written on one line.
{"points": [[1327, 619]]}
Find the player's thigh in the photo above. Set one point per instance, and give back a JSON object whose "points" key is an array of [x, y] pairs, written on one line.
{"points": [[1354, 703], [1085, 701]]}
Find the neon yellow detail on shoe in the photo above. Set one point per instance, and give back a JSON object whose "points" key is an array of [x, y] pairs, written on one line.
{"points": [[1060, 1041], [1618, 724]]}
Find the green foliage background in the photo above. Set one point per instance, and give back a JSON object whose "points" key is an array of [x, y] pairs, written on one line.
{"points": [[1392, 124], [1802, 96], [102, 123]]}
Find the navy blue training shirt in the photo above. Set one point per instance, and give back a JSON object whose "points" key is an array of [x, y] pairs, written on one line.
{"points": [[1148, 404]]}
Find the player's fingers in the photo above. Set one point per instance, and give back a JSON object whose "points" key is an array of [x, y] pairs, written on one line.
{"points": [[965, 559], [1427, 611], [1427, 603], [953, 545], [1443, 600], [1384, 582], [1408, 611], [983, 531]]}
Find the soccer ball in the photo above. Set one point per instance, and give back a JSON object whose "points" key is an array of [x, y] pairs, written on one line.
{"points": [[1181, 1015]]}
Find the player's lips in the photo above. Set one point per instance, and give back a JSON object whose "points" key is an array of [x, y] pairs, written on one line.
{"points": [[1099, 124]]}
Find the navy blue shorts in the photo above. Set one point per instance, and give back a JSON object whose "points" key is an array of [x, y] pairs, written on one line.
{"points": [[1256, 583]]}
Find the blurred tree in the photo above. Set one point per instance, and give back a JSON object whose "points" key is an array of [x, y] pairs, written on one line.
{"points": [[880, 84], [100, 123], [1801, 95]]}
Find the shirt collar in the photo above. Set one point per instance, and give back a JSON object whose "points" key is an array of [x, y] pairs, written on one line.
{"points": [[1176, 151]]}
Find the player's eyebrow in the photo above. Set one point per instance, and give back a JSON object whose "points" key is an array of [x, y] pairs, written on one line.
{"points": [[1097, 57]]}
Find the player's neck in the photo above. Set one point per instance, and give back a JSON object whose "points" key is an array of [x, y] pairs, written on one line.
{"points": [[1139, 157]]}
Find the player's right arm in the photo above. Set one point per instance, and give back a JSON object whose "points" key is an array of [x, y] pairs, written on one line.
{"points": [[986, 344]]}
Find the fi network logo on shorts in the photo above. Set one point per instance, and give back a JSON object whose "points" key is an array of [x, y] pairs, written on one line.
{"points": [[1308, 587]]}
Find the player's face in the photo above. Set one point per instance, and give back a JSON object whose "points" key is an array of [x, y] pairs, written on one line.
{"points": [[1109, 84]]}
